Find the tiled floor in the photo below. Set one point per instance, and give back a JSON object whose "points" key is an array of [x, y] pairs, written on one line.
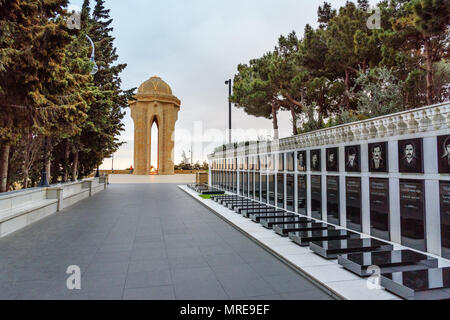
{"points": [[143, 241]]}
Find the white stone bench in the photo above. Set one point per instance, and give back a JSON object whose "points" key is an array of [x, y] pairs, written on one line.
{"points": [[22, 208]]}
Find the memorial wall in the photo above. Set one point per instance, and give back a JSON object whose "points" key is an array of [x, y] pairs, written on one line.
{"points": [[388, 177]]}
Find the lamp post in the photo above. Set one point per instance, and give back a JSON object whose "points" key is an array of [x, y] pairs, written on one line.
{"points": [[229, 82]]}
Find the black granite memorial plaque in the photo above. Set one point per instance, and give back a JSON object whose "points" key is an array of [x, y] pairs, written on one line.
{"points": [[388, 261], [410, 156], [280, 162], [257, 187], [290, 192], [444, 196], [257, 163], [443, 151], [246, 163], [251, 185], [331, 249], [272, 189], [302, 194], [332, 159], [333, 213], [353, 159], [353, 203], [290, 161], [264, 188], [315, 162], [245, 185], [379, 208], [412, 214], [271, 162], [316, 197], [301, 161], [378, 157], [431, 284], [280, 190], [240, 209], [303, 238], [241, 183]]}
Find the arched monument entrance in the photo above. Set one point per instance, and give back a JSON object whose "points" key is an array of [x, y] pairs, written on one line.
{"points": [[154, 103]]}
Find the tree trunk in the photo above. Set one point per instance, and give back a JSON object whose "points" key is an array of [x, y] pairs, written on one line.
{"points": [[294, 121], [429, 68], [66, 162], [26, 174], [275, 122], [4, 162], [347, 88], [75, 166]]}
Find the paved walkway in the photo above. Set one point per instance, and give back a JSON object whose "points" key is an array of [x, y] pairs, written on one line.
{"points": [[143, 241]]}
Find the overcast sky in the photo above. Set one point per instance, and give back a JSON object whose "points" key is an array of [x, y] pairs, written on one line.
{"points": [[195, 46]]}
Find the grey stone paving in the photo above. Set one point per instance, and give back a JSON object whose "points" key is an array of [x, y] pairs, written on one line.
{"points": [[147, 241]]}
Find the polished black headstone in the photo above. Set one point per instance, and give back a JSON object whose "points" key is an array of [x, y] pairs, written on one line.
{"points": [[333, 200], [285, 230], [412, 214], [353, 203], [315, 163], [269, 223], [331, 249], [353, 158], [316, 197], [302, 194], [387, 261], [303, 238], [379, 208], [332, 159], [431, 284]]}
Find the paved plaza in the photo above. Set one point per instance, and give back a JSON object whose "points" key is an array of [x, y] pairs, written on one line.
{"points": [[143, 241]]}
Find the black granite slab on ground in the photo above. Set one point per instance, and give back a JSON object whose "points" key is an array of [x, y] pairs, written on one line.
{"points": [[249, 207], [233, 205], [205, 189], [284, 230], [269, 223], [304, 237], [387, 261], [250, 212], [331, 249], [431, 284], [257, 217]]}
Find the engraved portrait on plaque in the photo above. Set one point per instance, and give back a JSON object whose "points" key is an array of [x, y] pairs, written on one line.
{"points": [[410, 156], [444, 154], [353, 159], [378, 157], [332, 159], [301, 161], [315, 160]]}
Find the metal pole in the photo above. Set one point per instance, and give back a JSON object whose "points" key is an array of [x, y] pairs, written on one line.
{"points": [[44, 180], [229, 82], [112, 164]]}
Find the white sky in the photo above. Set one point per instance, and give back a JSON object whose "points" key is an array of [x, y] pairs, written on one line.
{"points": [[195, 46]]}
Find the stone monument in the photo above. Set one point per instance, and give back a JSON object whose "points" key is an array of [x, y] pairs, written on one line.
{"points": [[154, 103]]}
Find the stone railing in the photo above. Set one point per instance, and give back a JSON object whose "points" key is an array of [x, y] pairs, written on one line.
{"points": [[429, 118], [19, 209]]}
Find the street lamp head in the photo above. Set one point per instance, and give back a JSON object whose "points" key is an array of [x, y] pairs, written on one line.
{"points": [[226, 82]]}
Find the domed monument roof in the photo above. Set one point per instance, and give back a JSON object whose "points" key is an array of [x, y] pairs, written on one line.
{"points": [[155, 85], [155, 89]]}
